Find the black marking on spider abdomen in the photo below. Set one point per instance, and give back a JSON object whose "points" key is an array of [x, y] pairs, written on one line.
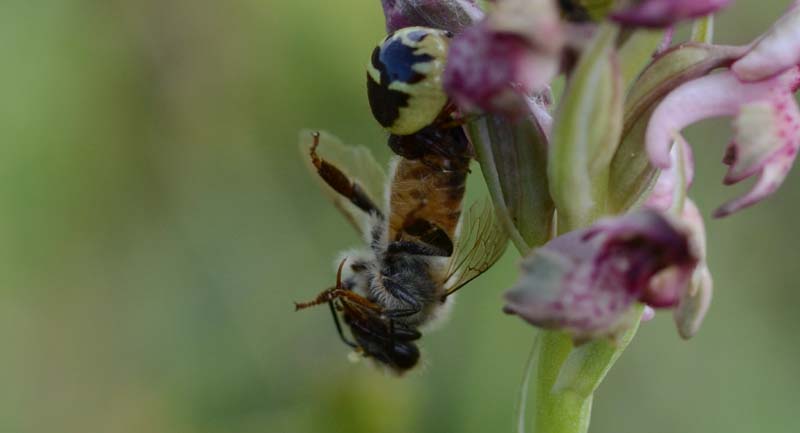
{"points": [[395, 60], [384, 102]]}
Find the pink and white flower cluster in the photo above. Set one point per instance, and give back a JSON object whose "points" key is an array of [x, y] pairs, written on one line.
{"points": [[587, 281]]}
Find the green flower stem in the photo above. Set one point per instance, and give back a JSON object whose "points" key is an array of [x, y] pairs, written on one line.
{"points": [[553, 412], [703, 30], [565, 378]]}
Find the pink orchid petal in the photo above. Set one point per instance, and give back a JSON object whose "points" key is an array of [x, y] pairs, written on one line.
{"points": [[538, 21], [695, 301], [764, 131], [663, 196], [648, 314], [585, 282], [694, 221], [694, 304], [664, 13], [776, 51], [715, 95], [769, 180], [452, 15]]}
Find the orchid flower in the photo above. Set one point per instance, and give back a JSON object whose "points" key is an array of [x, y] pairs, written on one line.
{"points": [[759, 93], [585, 282], [515, 52]]}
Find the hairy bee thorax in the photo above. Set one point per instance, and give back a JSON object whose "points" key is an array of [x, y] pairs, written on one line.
{"points": [[450, 144]]}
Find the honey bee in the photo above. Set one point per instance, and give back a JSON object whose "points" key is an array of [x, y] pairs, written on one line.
{"points": [[420, 250]]}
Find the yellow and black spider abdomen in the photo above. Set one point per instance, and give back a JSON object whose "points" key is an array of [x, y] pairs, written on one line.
{"points": [[404, 79]]}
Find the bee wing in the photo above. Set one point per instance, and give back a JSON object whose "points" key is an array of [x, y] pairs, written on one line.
{"points": [[357, 163], [481, 242]]}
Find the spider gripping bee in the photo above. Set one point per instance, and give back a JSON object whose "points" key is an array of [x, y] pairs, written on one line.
{"points": [[404, 86], [420, 248]]}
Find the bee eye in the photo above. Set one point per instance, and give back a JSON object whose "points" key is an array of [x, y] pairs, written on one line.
{"points": [[404, 79]]}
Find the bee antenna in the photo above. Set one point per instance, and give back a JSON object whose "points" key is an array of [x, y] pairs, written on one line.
{"points": [[339, 273]]}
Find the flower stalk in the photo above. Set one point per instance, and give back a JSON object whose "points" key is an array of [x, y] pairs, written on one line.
{"points": [[563, 379]]}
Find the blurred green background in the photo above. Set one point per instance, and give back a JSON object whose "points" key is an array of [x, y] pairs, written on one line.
{"points": [[157, 223]]}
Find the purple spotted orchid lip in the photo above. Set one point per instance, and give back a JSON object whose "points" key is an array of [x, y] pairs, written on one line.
{"points": [[665, 13], [585, 282], [767, 127], [758, 91]]}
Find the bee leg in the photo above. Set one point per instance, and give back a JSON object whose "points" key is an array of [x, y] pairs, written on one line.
{"points": [[340, 182], [405, 334], [331, 294], [400, 313], [339, 327], [400, 293], [336, 292]]}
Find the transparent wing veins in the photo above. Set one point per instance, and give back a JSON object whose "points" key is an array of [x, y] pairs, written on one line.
{"points": [[357, 163], [480, 244]]}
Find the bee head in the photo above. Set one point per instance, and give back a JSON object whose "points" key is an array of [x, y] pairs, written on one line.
{"points": [[400, 356], [394, 349], [404, 79]]}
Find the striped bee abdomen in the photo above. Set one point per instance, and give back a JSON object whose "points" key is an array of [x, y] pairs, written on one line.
{"points": [[425, 202]]}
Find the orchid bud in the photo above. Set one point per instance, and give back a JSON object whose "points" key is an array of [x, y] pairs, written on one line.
{"points": [[586, 134], [495, 72], [513, 159], [497, 64]]}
